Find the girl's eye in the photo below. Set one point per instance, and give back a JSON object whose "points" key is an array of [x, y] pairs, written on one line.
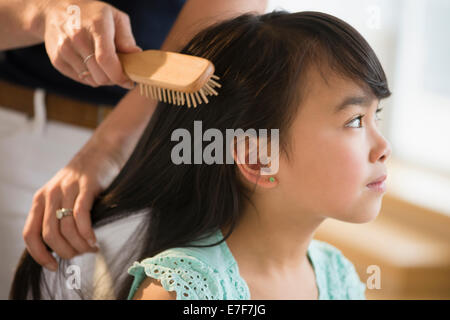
{"points": [[359, 118]]}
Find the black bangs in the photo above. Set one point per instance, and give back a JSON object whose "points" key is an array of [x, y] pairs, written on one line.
{"points": [[346, 51]]}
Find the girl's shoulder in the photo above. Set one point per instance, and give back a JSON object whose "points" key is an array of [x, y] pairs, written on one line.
{"points": [[335, 272], [195, 273], [189, 276]]}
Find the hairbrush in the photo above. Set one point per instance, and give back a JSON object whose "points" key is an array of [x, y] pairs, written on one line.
{"points": [[171, 77]]}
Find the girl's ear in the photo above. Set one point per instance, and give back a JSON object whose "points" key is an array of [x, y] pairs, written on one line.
{"points": [[248, 161]]}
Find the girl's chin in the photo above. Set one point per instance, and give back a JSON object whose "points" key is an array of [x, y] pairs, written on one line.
{"points": [[368, 215], [363, 215], [366, 218]]}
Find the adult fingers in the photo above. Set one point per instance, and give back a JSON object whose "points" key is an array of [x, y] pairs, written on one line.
{"points": [[66, 69], [50, 230], [83, 46], [32, 234], [71, 58], [123, 36], [67, 224], [82, 215], [105, 52]]}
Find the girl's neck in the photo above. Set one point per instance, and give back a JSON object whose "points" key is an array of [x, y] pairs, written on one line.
{"points": [[265, 245]]}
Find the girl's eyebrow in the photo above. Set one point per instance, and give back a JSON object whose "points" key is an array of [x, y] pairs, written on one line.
{"points": [[363, 101]]}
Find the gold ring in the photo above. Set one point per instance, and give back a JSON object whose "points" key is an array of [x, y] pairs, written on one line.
{"points": [[63, 212], [83, 74], [88, 57]]}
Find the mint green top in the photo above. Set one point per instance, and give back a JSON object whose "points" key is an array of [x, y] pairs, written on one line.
{"points": [[212, 273]]}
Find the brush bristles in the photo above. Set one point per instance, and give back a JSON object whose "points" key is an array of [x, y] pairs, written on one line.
{"points": [[179, 98]]}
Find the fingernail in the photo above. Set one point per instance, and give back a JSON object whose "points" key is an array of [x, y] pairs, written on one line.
{"points": [[92, 243], [51, 266]]}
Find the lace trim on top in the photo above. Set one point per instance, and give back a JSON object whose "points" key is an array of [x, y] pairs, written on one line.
{"points": [[189, 277]]}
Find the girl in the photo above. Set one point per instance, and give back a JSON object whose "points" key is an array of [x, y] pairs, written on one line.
{"points": [[225, 231]]}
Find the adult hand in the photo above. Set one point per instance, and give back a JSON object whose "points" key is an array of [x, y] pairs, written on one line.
{"points": [[84, 35], [75, 187]]}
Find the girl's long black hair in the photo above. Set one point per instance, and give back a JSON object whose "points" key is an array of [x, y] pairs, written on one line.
{"points": [[262, 62]]}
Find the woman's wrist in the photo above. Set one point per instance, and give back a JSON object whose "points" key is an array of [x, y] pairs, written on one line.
{"points": [[36, 13], [34, 18]]}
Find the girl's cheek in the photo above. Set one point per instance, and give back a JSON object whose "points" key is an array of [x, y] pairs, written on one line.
{"points": [[339, 175], [348, 174], [327, 172], [349, 163]]}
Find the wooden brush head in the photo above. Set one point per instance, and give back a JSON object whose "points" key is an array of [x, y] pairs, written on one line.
{"points": [[168, 70], [171, 77]]}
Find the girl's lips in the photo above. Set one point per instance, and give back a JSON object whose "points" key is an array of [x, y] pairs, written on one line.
{"points": [[379, 186], [380, 179]]}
